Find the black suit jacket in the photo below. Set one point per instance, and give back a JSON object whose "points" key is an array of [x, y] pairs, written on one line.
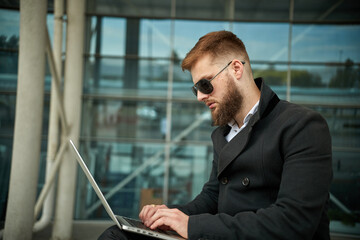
{"points": [[271, 181]]}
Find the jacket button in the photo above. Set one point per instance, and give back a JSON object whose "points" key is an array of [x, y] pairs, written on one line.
{"points": [[245, 182], [224, 180]]}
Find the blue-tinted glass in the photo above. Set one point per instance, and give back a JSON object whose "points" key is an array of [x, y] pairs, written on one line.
{"points": [[317, 84], [127, 170], [182, 83], [107, 36], [343, 122], [187, 33], [274, 75], [126, 77], [9, 44], [113, 36], [155, 38], [9, 23], [123, 119], [7, 114], [264, 41], [326, 43], [189, 170], [8, 70], [192, 115]]}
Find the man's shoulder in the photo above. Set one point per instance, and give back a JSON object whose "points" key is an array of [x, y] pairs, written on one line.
{"points": [[292, 114], [294, 109]]}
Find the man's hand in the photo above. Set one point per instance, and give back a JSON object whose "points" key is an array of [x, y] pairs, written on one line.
{"points": [[148, 211], [160, 216]]}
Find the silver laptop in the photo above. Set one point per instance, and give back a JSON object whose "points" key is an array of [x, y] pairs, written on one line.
{"points": [[126, 224]]}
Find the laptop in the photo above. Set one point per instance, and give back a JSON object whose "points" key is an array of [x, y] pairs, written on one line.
{"points": [[124, 223]]}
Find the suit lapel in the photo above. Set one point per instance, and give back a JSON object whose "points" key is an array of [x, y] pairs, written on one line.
{"points": [[228, 151], [219, 140], [233, 148]]}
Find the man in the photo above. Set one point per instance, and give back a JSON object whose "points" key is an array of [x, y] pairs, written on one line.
{"points": [[272, 165]]}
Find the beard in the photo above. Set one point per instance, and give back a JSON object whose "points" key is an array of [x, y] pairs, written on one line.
{"points": [[228, 107]]}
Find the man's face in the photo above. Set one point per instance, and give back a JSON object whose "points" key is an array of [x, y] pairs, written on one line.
{"points": [[225, 100], [228, 106]]}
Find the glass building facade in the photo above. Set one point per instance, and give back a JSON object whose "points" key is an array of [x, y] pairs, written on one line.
{"points": [[144, 135]]}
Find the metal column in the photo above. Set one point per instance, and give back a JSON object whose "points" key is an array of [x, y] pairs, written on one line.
{"points": [[28, 121], [72, 104], [53, 135]]}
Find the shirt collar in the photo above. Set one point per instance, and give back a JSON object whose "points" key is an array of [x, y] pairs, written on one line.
{"points": [[252, 111]]}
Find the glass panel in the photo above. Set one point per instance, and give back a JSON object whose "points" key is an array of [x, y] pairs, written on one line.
{"points": [[186, 116], [187, 33], [134, 170], [344, 124], [8, 70], [190, 169], [113, 36], [259, 38], [9, 44], [215, 9], [262, 10], [327, 10], [316, 84], [155, 38], [158, 8], [273, 75], [123, 119], [107, 36], [326, 43], [9, 27], [182, 83], [260, 41], [126, 77], [5, 164], [7, 114], [345, 189]]}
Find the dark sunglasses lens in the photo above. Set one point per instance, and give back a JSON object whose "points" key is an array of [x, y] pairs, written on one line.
{"points": [[205, 86], [194, 90]]}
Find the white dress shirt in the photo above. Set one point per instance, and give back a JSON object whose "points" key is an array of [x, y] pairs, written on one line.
{"points": [[235, 129]]}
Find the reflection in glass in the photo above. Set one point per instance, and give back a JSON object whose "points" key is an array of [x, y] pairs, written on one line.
{"points": [[107, 36], [264, 41], [186, 115], [189, 169], [135, 8], [344, 125], [325, 43], [155, 38], [317, 84], [113, 166], [344, 188], [107, 76], [215, 9], [187, 33], [123, 119]]}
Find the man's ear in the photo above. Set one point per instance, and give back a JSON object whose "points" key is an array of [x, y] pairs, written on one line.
{"points": [[238, 68]]}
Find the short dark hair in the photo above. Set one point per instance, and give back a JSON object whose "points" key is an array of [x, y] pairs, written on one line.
{"points": [[218, 44]]}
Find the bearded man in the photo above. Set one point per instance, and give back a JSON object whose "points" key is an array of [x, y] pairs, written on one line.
{"points": [[272, 164]]}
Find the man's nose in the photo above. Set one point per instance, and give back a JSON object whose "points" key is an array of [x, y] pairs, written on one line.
{"points": [[201, 96]]}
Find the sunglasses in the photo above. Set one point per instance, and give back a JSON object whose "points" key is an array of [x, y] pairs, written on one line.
{"points": [[205, 86]]}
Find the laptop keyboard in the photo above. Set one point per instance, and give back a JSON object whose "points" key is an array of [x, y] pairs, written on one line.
{"points": [[139, 224], [136, 223]]}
